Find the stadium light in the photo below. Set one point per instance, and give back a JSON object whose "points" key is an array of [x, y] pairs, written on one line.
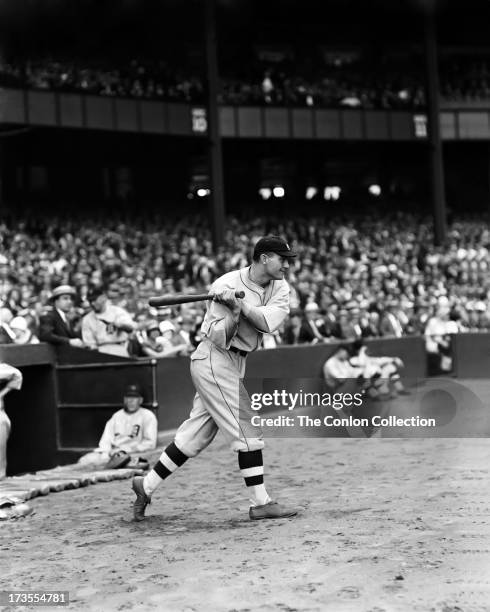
{"points": [[374, 190], [265, 193], [201, 192], [311, 193], [278, 191], [332, 192]]}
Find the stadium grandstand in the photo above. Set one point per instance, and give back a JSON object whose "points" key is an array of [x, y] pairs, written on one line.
{"points": [[352, 192]]}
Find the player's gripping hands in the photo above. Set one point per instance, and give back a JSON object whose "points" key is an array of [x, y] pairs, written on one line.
{"points": [[228, 298]]}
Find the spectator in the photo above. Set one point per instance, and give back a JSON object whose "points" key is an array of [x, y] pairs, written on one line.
{"points": [[23, 335], [7, 336], [56, 326], [390, 324], [5, 279], [168, 336], [152, 346], [438, 341], [139, 336], [349, 328], [369, 324], [314, 325]]}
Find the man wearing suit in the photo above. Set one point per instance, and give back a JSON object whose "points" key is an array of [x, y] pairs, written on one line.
{"points": [[302, 330], [390, 324], [55, 326], [313, 328]]}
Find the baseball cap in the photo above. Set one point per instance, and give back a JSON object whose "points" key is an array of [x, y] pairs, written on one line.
{"points": [[273, 244], [94, 293], [133, 391]]}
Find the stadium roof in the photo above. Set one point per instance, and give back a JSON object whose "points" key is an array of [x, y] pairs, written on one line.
{"points": [[85, 26]]}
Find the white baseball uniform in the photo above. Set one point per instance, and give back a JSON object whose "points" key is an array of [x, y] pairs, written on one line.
{"points": [[133, 432], [218, 365], [96, 332], [13, 377], [130, 431]]}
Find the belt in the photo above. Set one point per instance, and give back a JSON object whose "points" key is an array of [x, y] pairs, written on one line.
{"points": [[234, 349]]}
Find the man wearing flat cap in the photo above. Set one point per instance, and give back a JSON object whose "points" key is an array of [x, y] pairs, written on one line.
{"points": [[55, 326]]}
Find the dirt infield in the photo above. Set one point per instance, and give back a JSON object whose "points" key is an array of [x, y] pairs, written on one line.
{"points": [[387, 525]]}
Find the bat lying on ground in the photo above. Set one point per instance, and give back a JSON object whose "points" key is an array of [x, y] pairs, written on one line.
{"points": [[170, 299]]}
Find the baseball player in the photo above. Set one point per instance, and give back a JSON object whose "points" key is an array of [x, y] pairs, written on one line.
{"points": [[383, 373], [106, 328], [10, 379], [231, 329], [338, 370], [133, 429]]}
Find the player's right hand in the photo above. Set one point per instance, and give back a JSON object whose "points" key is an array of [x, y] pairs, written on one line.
{"points": [[76, 342], [227, 297]]}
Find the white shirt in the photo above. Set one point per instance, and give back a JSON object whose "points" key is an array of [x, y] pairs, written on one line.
{"points": [[62, 315], [437, 328]]}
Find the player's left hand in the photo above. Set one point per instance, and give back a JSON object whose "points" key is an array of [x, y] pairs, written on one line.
{"points": [[227, 297]]}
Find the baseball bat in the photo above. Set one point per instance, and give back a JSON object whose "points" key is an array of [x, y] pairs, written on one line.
{"points": [[171, 299]]}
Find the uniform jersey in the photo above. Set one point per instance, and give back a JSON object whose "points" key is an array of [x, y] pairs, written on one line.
{"points": [[337, 370], [97, 333], [130, 431], [224, 330], [11, 375]]}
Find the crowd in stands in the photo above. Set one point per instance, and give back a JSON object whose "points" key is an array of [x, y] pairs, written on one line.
{"points": [[359, 83], [137, 79], [466, 80], [354, 279], [362, 83]]}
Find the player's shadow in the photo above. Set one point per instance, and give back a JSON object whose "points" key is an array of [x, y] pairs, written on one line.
{"points": [[175, 524]]}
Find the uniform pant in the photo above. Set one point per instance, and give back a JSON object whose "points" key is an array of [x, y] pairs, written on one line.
{"points": [[221, 402]]}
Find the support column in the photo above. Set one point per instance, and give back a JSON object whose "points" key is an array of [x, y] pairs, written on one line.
{"points": [[217, 198], [434, 131]]}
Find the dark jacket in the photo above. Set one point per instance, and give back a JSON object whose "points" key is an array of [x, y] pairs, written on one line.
{"points": [[304, 335], [53, 329]]}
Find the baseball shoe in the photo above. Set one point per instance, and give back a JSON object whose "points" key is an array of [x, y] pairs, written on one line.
{"points": [[142, 499], [271, 510]]}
